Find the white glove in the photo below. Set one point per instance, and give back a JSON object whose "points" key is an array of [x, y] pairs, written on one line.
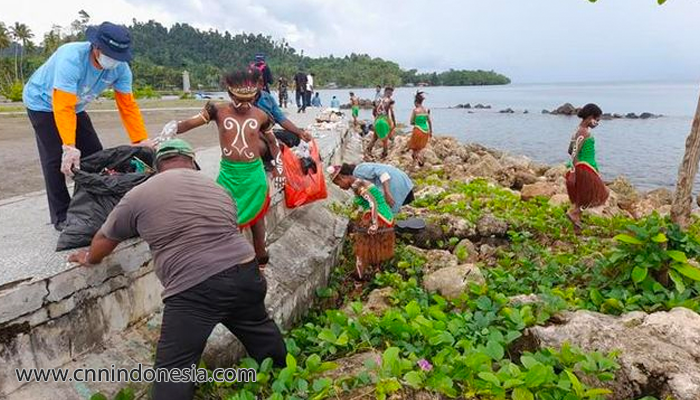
{"points": [[70, 160], [169, 131]]}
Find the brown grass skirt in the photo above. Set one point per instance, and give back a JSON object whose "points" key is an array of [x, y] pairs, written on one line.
{"points": [[374, 249], [419, 140], [585, 187]]}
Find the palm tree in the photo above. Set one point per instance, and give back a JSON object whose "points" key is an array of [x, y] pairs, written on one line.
{"points": [[52, 40], [23, 35], [5, 40]]}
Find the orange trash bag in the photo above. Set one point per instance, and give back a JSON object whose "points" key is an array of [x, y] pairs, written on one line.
{"points": [[301, 188]]}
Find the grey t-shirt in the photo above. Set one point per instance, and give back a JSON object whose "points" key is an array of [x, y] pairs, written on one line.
{"points": [[188, 221]]}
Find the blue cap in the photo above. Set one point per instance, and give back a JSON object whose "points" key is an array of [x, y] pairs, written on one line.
{"points": [[112, 40]]}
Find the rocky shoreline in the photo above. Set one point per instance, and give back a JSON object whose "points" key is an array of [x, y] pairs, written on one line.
{"points": [[530, 179], [569, 110], [566, 109], [657, 351]]}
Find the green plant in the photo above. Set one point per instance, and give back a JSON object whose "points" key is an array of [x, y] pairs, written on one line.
{"points": [[146, 92], [12, 90], [123, 394], [655, 252]]}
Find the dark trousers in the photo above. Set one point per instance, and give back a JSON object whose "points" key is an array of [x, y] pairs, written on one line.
{"points": [[300, 98], [410, 198], [235, 298], [307, 98], [50, 152]]}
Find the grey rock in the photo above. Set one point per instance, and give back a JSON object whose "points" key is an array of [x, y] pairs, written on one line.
{"points": [[466, 252], [523, 299], [438, 259], [523, 178], [658, 353], [451, 282], [429, 191], [565, 109], [486, 167], [489, 225], [379, 300]]}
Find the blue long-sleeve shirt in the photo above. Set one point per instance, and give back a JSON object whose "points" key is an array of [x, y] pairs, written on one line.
{"points": [[400, 185]]}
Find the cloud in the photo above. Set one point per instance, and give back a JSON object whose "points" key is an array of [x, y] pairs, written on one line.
{"points": [[533, 41]]}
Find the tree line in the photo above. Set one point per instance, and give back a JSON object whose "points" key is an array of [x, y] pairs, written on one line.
{"points": [[161, 54]]}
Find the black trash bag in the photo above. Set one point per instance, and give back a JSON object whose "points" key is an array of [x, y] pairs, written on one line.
{"points": [[103, 179]]}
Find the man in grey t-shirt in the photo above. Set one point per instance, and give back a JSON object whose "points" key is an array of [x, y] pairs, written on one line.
{"points": [[207, 267]]}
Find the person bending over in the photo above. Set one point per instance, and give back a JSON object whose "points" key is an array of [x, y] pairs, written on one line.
{"points": [[207, 267]]}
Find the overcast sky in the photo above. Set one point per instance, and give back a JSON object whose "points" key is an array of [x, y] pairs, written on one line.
{"points": [[528, 40]]}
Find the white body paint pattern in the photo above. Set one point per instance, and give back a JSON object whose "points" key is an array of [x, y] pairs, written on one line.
{"points": [[278, 162], [239, 143]]}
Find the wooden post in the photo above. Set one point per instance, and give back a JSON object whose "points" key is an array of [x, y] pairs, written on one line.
{"points": [[683, 198]]}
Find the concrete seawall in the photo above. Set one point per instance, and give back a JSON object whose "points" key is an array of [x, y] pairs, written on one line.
{"points": [[53, 314]]}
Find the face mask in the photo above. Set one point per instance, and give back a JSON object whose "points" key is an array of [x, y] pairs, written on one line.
{"points": [[594, 123], [107, 62]]}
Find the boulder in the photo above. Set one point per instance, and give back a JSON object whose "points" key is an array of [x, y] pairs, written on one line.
{"points": [[429, 191], [429, 237], [505, 177], [523, 299], [507, 111], [459, 227], [538, 189], [626, 193], [379, 300], [453, 160], [565, 109], [439, 259], [559, 200], [489, 226], [658, 200], [658, 353], [451, 282], [661, 196], [606, 116], [452, 198], [487, 253], [617, 116], [486, 167], [556, 172], [482, 107], [417, 251], [647, 115], [526, 112], [631, 116], [466, 252], [545, 112], [430, 157], [523, 178], [517, 162]]}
